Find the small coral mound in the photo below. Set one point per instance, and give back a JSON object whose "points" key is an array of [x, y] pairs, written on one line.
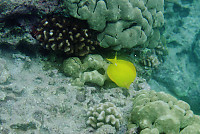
{"points": [[156, 113], [104, 113], [92, 69], [66, 34]]}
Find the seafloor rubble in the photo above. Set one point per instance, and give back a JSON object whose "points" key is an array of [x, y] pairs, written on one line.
{"points": [[37, 101]]}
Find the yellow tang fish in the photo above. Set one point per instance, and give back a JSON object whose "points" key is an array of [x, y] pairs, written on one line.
{"points": [[122, 72]]}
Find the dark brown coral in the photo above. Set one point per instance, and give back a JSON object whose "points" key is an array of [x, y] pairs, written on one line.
{"points": [[66, 34]]}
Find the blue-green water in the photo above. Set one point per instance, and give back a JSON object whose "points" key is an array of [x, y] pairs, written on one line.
{"points": [[39, 96]]}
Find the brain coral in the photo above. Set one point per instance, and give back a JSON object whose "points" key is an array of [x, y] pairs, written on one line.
{"points": [[162, 113], [122, 23]]}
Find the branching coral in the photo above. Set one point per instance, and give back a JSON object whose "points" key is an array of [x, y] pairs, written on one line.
{"points": [[104, 113]]}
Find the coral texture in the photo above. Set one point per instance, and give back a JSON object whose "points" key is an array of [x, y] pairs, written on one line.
{"points": [[162, 113], [92, 69], [66, 34], [104, 113], [122, 23]]}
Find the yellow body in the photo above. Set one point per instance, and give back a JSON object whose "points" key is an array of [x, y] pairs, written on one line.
{"points": [[122, 72]]}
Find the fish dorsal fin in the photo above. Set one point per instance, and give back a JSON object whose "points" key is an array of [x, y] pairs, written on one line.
{"points": [[113, 61]]}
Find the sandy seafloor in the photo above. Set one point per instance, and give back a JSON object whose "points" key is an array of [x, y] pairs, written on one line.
{"points": [[45, 100], [48, 103]]}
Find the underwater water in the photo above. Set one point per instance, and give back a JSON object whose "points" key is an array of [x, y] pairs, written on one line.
{"points": [[179, 75], [43, 91]]}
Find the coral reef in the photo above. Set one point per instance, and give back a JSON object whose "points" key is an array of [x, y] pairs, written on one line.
{"points": [[104, 113], [158, 112], [122, 23], [66, 34], [92, 69], [43, 102]]}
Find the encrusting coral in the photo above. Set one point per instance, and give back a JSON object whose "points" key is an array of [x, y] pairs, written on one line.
{"points": [[66, 34], [122, 23], [104, 113], [158, 112], [92, 69]]}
